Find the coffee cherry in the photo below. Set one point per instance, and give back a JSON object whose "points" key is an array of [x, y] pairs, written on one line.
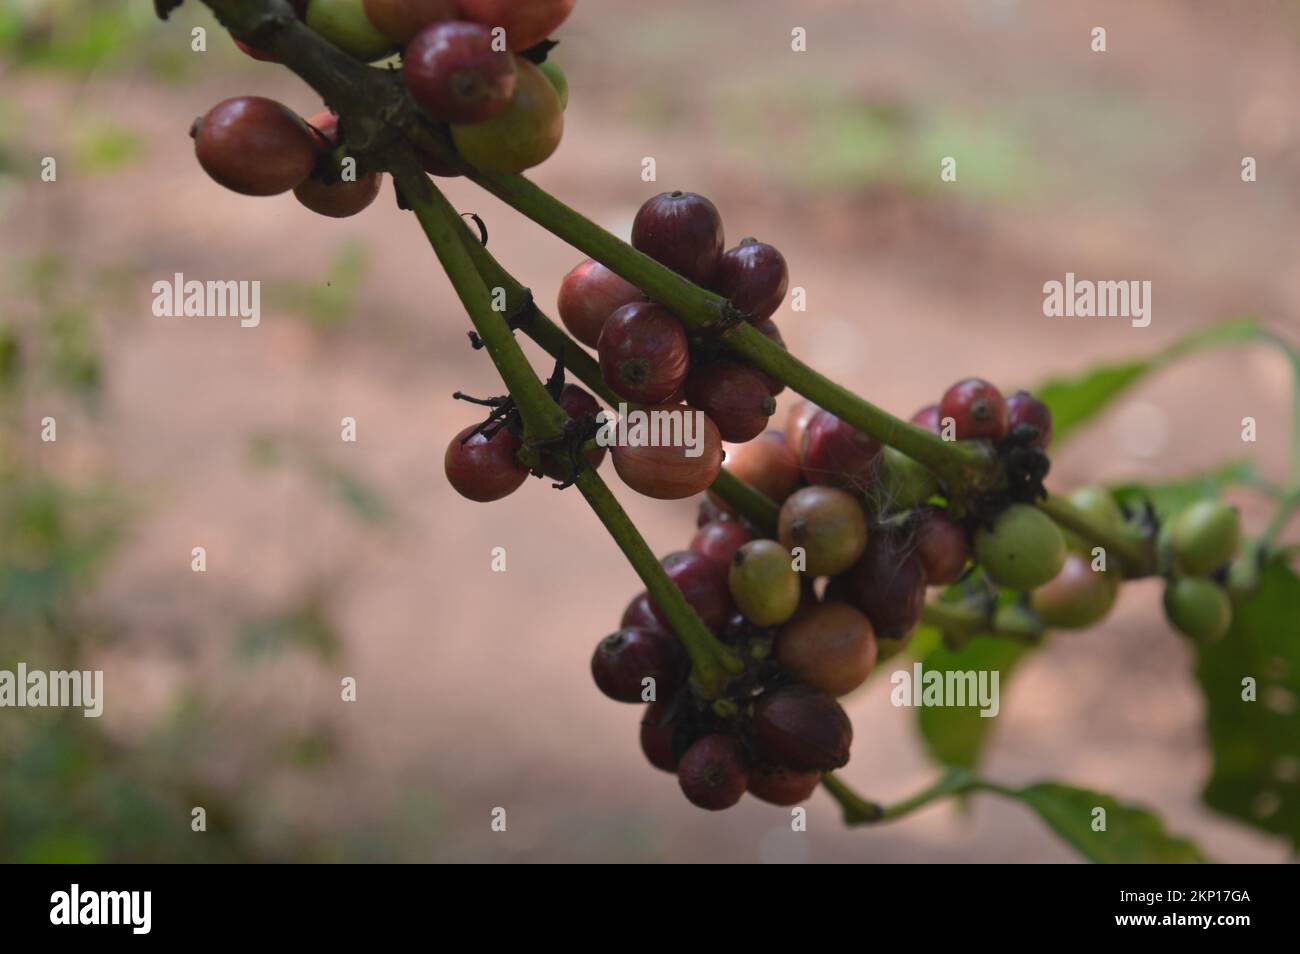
{"points": [[526, 22], [254, 52], [644, 353], [797, 420], [1204, 537], [626, 658], [781, 786], [763, 584], [772, 333], [483, 469], [254, 146], [524, 135], [658, 735], [832, 648], [589, 294], [1024, 408], [940, 546], [683, 231], [828, 524], [767, 464], [666, 472], [1198, 608], [578, 404], [400, 20], [978, 409], [1023, 550], [1078, 597], [838, 454], [801, 729], [735, 397], [712, 772], [720, 539], [344, 23], [753, 277], [339, 199], [551, 70], [1100, 506], [640, 614], [888, 584], [928, 417], [904, 483], [455, 75], [703, 582]]}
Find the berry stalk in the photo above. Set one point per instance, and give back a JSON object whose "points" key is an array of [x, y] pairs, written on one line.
{"points": [[711, 662], [861, 811]]}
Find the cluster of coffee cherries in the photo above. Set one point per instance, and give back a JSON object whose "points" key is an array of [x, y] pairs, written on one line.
{"points": [[477, 68], [859, 539], [648, 359]]}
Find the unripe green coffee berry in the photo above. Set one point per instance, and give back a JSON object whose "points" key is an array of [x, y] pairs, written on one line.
{"points": [[1204, 537], [1100, 506], [551, 70], [904, 484], [763, 584], [1198, 608], [828, 524], [345, 24], [1023, 550], [1078, 597]]}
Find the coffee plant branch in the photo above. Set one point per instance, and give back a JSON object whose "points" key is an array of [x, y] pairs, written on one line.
{"points": [[383, 127]]}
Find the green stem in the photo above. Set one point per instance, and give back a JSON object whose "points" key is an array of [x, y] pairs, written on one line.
{"points": [[1137, 559], [711, 662], [861, 811]]}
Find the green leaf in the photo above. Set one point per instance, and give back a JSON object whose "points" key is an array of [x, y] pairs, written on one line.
{"points": [[1076, 400], [1132, 835], [1255, 745], [1169, 499], [956, 735]]}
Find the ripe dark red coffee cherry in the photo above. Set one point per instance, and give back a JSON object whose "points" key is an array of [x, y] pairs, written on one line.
{"points": [[526, 22], [977, 408], [644, 353], [254, 146], [888, 584], [1024, 408], [837, 454], [780, 786], [339, 199], [769, 330], [941, 546], [767, 464], [735, 396], [928, 417], [667, 471], [483, 469], [753, 277], [578, 404], [658, 735], [712, 772], [456, 76], [624, 659], [640, 614], [799, 728], [683, 231], [720, 539], [590, 294], [704, 584], [400, 20]]}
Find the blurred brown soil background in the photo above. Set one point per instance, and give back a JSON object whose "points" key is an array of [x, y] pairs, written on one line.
{"points": [[473, 686]]}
